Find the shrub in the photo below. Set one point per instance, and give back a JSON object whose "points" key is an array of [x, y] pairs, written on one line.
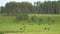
{"points": [[53, 21], [49, 19], [20, 17], [48, 28], [20, 28], [1, 32], [23, 29], [49, 23], [40, 20], [39, 24], [33, 18], [24, 26], [45, 28], [28, 21]]}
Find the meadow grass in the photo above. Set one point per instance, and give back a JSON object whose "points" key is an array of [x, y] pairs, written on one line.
{"points": [[8, 23]]}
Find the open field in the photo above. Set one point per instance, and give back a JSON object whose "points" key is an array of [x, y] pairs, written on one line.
{"points": [[8, 23], [32, 29]]}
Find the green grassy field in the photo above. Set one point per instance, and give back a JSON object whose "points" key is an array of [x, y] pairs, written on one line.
{"points": [[8, 23]]}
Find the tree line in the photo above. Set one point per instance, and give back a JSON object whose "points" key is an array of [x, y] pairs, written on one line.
{"points": [[14, 8]]}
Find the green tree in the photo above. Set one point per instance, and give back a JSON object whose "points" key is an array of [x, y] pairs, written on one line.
{"points": [[2, 9], [12, 8], [26, 7], [48, 7]]}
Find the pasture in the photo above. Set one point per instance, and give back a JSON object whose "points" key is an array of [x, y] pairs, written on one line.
{"points": [[9, 25]]}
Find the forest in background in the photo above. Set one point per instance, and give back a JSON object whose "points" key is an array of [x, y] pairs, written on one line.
{"points": [[15, 8]]}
